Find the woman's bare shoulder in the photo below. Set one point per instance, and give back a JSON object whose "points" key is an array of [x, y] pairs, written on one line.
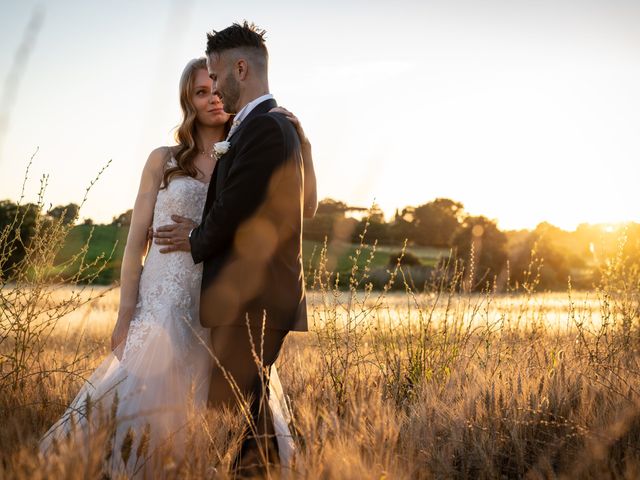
{"points": [[158, 158]]}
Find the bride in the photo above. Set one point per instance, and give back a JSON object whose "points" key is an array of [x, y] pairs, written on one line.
{"points": [[158, 373]]}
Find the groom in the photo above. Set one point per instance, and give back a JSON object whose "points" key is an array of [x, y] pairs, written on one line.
{"points": [[250, 236]]}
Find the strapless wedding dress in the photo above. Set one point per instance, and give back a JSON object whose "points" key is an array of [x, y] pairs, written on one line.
{"points": [[162, 375]]}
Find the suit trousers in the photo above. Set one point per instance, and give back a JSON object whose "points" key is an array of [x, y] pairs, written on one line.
{"points": [[237, 360]]}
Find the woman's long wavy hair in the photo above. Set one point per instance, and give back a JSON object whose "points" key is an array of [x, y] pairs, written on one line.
{"points": [[187, 149]]}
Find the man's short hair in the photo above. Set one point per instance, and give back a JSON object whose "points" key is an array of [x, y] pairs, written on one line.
{"points": [[246, 36]]}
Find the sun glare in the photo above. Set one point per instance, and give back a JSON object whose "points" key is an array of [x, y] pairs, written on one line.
{"points": [[610, 227]]}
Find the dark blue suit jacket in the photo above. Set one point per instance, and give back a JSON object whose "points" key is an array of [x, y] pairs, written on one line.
{"points": [[250, 237]]}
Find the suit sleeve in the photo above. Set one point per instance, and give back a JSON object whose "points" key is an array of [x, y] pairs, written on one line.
{"points": [[262, 152]]}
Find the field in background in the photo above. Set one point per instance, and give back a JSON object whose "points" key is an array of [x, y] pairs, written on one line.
{"points": [[108, 238], [436, 385], [448, 380]]}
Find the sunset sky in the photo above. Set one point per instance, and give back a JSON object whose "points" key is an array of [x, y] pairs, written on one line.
{"points": [[524, 111]]}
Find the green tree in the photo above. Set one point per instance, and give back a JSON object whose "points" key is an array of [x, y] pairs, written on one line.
{"points": [[330, 221], [67, 213], [332, 207], [481, 245], [437, 222], [122, 220], [16, 222], [541, 252], [402, 227], [377, 228]]}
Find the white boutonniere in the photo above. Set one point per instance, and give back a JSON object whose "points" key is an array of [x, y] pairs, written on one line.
{"points": [[220, 148]]}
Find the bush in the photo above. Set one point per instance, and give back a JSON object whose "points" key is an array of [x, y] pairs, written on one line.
{"points": [[403, 259], [31, 305]]}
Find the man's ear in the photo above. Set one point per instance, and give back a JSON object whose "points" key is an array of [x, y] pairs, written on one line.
{"points": [[242, 68]]}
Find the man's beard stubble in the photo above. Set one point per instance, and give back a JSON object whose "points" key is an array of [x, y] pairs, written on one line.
{"points": [[231, 95]]}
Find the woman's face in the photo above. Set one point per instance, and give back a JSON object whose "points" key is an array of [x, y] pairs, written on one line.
{"points": [[209, 108]]}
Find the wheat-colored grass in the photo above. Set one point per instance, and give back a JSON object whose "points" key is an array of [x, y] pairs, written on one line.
{"points": [[407, 386], [435, 382]]}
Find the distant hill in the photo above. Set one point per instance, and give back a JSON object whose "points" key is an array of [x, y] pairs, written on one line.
{"points": [[106, 237]]}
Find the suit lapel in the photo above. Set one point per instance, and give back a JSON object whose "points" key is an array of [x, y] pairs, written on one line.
{"points": [[211, 191], [226, 160], [222, 169], [223, 166]]}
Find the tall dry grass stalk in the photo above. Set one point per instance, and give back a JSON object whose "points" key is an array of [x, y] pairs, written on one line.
{"points": [[435, 382], [33, 361], [31, 307], [452, 384]]}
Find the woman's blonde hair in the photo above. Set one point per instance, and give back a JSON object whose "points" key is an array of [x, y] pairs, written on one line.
{"points": [[185, 135]]}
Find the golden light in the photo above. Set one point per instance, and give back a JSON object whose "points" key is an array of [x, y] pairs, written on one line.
{"points": [[610, 227]]}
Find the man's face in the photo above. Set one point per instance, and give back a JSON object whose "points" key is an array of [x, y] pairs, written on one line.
{"points": [[225, 84]]}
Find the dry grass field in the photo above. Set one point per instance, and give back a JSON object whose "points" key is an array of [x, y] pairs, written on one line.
{"points": [[435, 382], [440, 384]]}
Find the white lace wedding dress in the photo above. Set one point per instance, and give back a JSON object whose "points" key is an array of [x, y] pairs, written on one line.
{"points": [[162, 377]]}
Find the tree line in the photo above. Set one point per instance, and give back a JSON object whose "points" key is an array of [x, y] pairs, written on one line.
{"points": [[546, 255]]}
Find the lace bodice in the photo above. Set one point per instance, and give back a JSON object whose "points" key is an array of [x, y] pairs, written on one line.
{"points": [[163, 378], [170, 282]]}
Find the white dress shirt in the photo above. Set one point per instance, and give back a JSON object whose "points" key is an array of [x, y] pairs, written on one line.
{"points": [[244, 111]]}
